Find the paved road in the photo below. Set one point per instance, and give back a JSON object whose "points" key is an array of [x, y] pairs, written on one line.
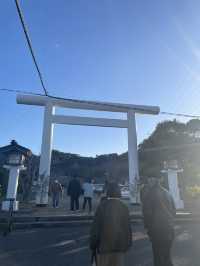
{"points": [[69, 247]]}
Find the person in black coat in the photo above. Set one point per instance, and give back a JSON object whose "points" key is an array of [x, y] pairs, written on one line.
{"points": [[74, 191], [159, 213]]}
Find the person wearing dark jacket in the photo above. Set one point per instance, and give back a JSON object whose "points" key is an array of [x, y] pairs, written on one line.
{"points": [[74, 191], [159, 212], [111, 235]]}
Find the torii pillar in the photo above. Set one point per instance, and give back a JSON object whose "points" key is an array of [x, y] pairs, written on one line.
{"points": [[133, 158]]}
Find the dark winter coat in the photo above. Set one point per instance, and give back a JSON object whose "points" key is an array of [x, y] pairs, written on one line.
{"points": [[111, 228], [74, 188], [159, 211]]}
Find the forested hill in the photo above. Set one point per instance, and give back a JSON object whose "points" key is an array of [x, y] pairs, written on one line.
{"points": [[172, 140], [114, 165]]}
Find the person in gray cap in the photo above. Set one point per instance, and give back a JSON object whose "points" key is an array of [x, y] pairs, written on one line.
{"points": [[159, 212], [111, 234]]}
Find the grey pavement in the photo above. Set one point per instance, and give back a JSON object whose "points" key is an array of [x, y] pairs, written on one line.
{"points": [[69, 247]]}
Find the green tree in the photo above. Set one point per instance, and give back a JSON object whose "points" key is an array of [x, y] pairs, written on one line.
{"points": [[172, 140]]}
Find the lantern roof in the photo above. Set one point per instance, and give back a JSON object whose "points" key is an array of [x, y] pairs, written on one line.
{"points": [[14, 147]]}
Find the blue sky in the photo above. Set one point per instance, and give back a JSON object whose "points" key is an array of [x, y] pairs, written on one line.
{"points": [[130, 51]]}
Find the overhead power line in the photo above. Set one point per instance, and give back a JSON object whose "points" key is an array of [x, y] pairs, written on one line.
{"points": [[83, 101], [19, 11], [180, 114], [22, 91]]}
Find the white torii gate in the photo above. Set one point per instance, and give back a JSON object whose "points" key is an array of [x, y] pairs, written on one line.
{"points": [[50, 118]]}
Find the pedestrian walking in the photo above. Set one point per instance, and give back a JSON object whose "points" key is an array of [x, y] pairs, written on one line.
{"points": [[56, 191], [88, 191], [159, 211], [111, 235], [74, 191]]}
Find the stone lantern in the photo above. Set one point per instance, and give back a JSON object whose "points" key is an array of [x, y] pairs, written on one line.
{"points": [[15, 156], [172, 169]]}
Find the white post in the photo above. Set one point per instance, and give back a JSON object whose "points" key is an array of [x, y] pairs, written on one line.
{"points": [[12, 187], [172, 175], [133, 158], [174, 188], [45, 157]]}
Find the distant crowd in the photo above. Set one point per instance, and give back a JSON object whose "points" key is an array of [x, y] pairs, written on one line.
{"points": [[74, 191]]}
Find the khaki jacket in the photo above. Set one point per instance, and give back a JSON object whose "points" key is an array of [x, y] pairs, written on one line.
{"points": [[111, 228]]}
